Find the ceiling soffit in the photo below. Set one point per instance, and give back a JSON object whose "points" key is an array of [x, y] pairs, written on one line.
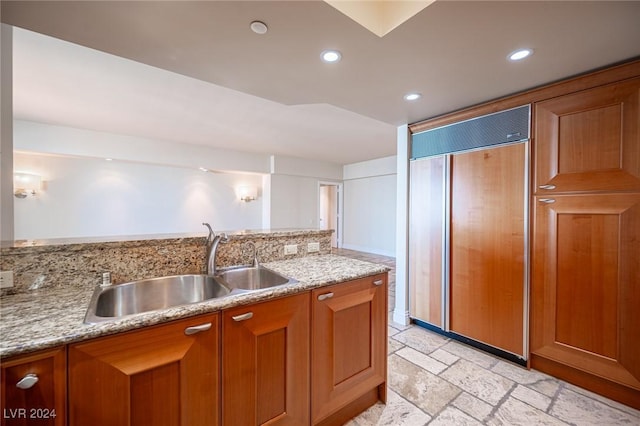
{"points": [[379, 17]]}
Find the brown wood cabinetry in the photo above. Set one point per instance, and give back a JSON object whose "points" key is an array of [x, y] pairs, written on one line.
{"points": [[487, 281], [467, 239], [265, 363], [33, 389], [589, 141], [162, 375], [349, 348], [426, 244], [585, 293]]}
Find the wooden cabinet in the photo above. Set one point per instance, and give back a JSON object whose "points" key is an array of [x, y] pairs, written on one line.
{"points": [[589, 141], [426, 242], [33, 389], [162, 375], [349, 348], [585, 293], [487, 237], [265, 363], [468, 245]]}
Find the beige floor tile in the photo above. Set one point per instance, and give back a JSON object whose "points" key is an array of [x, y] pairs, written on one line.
{"points": [[444, 356], [489, 387], [397, 412], [516, 413], [607, 401], [425, 390], [393, 346], [470, 354], [579, 409], [422, 360], [420, 339], [531, 397], [392, 331], [452, 416], [473, 406]]}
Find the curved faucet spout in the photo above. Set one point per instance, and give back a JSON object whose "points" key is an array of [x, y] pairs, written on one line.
{"points": [[211, 233], [212, 247]]}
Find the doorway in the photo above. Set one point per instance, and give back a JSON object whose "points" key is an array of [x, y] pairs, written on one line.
{"points": [[330, 214]]}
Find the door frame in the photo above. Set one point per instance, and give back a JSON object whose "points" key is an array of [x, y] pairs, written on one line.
{"points": [[340, 213]]}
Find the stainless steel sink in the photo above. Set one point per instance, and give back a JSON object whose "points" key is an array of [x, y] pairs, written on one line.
{"points": [[252, 278], [117, 301]]}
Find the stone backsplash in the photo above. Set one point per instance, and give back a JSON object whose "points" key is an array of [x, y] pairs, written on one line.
{"points": [[38, 265]]}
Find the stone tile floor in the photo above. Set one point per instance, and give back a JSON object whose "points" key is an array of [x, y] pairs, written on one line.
{"points": [[434, 380]]}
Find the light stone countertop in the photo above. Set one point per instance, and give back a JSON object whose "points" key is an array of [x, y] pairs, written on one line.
{"points": [[47, 318]]}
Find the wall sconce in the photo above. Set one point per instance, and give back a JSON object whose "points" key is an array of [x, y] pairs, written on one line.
{"points": [[247, 193], [26, 183]]}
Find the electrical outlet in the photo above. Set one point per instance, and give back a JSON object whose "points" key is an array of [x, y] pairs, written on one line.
{"points": [[313, 247], [291, 249], [6, 279]]}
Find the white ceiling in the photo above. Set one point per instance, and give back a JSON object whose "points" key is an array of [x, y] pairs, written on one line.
{"points": [[195, 72]]}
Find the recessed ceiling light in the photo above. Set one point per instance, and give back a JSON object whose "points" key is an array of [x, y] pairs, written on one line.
{"points": [[259, 27], [520, 54], [412, 96], [108, 159], [331, 56], [202, 169]]}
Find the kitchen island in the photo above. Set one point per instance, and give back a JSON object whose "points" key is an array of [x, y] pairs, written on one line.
{"points": [[314, 352]]}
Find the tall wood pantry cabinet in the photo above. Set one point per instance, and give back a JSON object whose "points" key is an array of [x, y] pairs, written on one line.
{"points": [[585, 301]]}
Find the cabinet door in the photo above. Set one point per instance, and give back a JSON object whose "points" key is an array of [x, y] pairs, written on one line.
{"points": [[590, 140], [163, 375], [426, 239], [349, 343], [487, 278], [586, 286], [27, 401], [265, 363]]}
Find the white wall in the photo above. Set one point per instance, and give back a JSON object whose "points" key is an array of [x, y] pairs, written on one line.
{"points": [[93, 197], [401, 308], [370, 206], [294, 186], [294, 202], [6, 133]]}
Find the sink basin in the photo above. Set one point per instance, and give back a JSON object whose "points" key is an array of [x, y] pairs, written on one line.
{"points": [[252, 278], [117, 301]]}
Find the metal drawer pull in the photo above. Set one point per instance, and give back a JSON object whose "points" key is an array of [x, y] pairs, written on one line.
{"points": [[378, 282], [27, 381], [547, 187], [197, 329], [325, 296], [547, 200], [243, 316]]}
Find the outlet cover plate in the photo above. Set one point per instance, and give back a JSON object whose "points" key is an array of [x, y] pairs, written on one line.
{"points": [[6, 279], [313, 247], [291, 249]]}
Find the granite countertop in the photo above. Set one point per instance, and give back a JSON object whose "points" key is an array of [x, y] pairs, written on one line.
{"points": [[48, 318]]}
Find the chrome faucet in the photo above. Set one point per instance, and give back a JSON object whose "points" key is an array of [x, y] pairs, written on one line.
{"points": [[256, 263], [212, 247]]}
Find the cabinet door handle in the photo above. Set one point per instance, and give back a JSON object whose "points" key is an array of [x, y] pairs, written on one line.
{"points": [[378, 282], [243, 316], [547, 200], [549, 187], [27, 381], [197, 329], [325, 296]]}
